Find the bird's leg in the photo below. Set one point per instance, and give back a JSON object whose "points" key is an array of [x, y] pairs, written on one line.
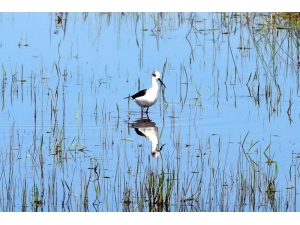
{"points": [[147, 110], [142, 112]]}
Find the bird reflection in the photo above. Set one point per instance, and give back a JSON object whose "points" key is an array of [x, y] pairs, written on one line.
{"points": [[148, 129]]}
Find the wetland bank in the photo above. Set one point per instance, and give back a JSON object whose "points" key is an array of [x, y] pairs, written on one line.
{"points": [[226, 128]]}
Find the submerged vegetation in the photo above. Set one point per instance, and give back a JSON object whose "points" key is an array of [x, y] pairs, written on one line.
{"points": [[226, 130]]}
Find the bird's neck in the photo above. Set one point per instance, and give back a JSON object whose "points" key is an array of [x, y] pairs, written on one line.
{"points": [[154, 84]]}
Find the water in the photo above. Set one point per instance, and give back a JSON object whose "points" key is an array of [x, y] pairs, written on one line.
{"points": [[67, 140]]}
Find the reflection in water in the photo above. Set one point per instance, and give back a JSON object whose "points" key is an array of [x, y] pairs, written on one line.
{"points": [[147, 129]]}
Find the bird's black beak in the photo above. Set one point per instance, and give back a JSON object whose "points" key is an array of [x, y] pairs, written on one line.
{"points": [[162, 82]]}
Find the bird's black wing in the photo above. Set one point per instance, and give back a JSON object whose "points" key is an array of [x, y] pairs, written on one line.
{"points": [[139, 94]]}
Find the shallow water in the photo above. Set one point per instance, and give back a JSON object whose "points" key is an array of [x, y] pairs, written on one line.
{"points": [[67, 137]]}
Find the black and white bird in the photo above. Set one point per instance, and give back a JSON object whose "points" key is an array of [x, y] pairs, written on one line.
{"points": [[147, 97]]}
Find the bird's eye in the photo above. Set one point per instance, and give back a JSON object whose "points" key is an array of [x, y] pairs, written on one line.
{"points": [[153, 75]]}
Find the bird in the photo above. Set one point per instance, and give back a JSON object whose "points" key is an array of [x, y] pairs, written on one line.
{"points": [[147, 97]]}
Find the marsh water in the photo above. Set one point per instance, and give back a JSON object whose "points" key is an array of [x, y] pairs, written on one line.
{"points": [[223, 135]]}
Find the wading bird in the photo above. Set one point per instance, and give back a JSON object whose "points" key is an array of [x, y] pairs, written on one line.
{"points": [[147, 97]]}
